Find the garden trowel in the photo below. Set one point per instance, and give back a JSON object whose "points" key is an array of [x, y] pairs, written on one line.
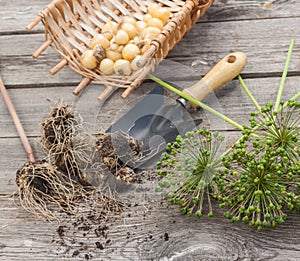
{"points": [[153, 124]]}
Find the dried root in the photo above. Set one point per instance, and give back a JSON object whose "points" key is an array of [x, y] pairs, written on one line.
{"points": [[42, 186], [62, 182], [118, 152], [57, 139]]}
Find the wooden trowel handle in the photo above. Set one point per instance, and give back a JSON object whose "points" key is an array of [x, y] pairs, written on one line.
{"points": [[224, 71]]}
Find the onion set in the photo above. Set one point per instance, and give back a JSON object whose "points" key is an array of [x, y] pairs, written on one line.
{"points": [[120, 43]]}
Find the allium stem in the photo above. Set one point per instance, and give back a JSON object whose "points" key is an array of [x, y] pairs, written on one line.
{"points": [[192, 100], [284, 74], [255, 103]]}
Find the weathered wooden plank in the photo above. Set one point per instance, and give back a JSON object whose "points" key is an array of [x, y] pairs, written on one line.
{"points": [[32, 104], [16, 15], [255, 38], [155, 233], [38, 107], [231, 10], [265, 48], [13, 158], [18, 48], [32, 107], [237, 25], [24, 70]]}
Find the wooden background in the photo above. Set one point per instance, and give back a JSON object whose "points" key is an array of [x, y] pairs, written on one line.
{"points": [[261, 29]]}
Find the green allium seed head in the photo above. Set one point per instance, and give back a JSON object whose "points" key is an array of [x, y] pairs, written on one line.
{"points": [[194, 162]]}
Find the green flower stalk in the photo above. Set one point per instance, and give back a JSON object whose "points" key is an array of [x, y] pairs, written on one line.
{"points": [[190, 169], [284, 75]]}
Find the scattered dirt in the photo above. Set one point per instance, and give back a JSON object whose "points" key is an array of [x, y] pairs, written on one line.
{"points": [[86, 234], [166, 236]]}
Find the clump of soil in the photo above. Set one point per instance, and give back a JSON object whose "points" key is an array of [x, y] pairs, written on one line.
{"points": [[119, 152]]}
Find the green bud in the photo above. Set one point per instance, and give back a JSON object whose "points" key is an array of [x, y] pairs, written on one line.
{"points": [[259, 228], [280, 221], [251, 208], [245, 219], [235, 219], [271, 206], [266, 223], [242, 209], [258, 193], [260, 167], [256, 180], [227, 215], [290, 206], [210, 214], [183, 210], [195, 200], [171, 201], [252, 223], [240, 198], [198, 214]]}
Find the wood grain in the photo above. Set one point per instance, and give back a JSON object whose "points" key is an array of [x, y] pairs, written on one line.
{"points": [[266, 53], [34, 104], [158, 233], [16, 15], [232, 10], [199, 50], [150, 230]]}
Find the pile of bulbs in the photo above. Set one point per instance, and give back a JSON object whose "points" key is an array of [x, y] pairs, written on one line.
{"points": [[119, 46]]}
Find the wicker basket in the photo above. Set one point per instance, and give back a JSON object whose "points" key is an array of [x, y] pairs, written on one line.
{"points": [[70, 25]]}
